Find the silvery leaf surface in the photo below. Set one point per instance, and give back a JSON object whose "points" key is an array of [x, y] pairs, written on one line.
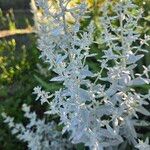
{"points": [[139, 81], [143, 111], [58, 78], [133, 59], [85, 72]]}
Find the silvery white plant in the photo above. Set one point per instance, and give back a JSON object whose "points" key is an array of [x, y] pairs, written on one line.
{"points": [[102, 114], [143, 145], [97, 115], [38, 134]]}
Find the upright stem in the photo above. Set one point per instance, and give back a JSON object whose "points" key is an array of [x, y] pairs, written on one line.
{"points": [[122, 40], [63, 9]]}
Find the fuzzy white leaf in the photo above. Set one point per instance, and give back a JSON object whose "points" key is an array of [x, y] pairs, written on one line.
{"points": [[139, 81], [59, 78], [133, 59]]}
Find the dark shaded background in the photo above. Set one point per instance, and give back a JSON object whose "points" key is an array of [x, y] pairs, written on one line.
{"points": [[15, 4]]}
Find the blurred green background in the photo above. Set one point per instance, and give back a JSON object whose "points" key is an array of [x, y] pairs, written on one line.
{"points": [[21, 69]]}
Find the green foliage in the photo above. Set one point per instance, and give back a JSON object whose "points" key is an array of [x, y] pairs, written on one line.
{"points": [[49, 87], [18, 64], [7, 20], [14, 19], [10, 65]]}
